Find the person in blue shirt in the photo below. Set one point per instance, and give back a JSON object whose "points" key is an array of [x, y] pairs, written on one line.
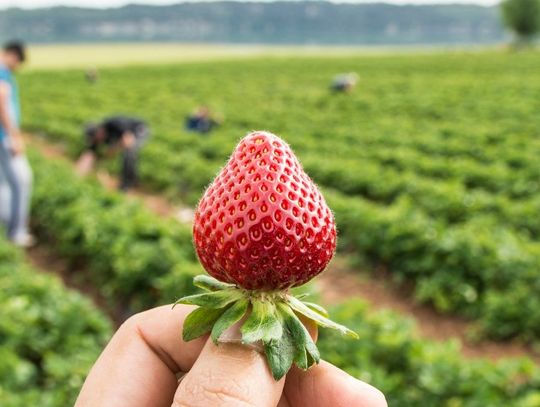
{"points": [[201, 121], [15, 170]]}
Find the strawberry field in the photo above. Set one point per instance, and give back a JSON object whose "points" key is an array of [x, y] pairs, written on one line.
{"points": [[430, 166], [47, 355]]}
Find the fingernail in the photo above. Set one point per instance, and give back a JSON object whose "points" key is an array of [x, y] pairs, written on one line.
{"points": [[234, 335]]}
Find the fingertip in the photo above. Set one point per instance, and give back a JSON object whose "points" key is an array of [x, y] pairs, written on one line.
{"points": [[360, 392], [326, 385]]}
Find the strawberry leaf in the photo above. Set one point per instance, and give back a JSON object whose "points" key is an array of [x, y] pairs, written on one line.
{"points": [[306, 352], [262, 324], [316, 307], [229, 318], [273, 320], [280, 354], [303, 309], [200, 322], [209, 283], [214, 300]]}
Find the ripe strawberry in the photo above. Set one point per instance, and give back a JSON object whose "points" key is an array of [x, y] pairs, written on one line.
{"points": [[261, 228], [263, 224]]}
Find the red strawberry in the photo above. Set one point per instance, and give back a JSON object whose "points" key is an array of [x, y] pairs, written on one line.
{"points": [[263, 224], [260, 228]]}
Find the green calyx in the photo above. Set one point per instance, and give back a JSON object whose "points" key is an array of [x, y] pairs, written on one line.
{"points": [[269, 318]]}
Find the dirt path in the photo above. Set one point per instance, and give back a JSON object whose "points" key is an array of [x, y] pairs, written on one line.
{"points": [[43, 258], [338, 283]]}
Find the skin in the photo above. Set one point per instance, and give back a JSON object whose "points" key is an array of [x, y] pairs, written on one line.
{"points": [[13, 63], [140, 365], [203, 112]]}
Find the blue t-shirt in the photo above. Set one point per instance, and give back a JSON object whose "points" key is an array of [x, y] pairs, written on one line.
{"points": [[14, 106]]}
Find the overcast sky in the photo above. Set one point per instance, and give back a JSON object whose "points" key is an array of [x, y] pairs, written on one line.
{"points": [[113, 3]]}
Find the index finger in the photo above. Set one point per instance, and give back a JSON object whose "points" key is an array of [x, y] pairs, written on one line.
{"points": [[140, 364]]}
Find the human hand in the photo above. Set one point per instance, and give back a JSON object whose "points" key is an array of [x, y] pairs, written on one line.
{"points": [[17, 145], [85, 163], [140, 365], [128, 140]]}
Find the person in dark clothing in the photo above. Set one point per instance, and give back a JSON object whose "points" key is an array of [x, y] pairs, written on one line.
{"points": [[344, 82], [201, 121], [115, 134]]}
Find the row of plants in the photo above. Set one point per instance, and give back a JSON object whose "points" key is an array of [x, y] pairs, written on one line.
{"points": [[473, 268], [84, 221], [49, 335], [447, 200], [414, 372], [497, 191], [395, 117], [382, 176], [135, 258], [478, 268]]}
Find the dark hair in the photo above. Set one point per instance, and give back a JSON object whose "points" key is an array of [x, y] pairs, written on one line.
{"points": [[16, 47], [91, 129]]}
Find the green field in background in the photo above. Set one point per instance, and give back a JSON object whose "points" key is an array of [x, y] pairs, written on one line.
{"points": [[431, 167], [431, 164], [60, 56]]}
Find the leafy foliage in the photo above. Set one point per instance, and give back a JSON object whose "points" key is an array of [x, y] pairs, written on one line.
{"points": [[137, 259], [389, 355], [49, 336], [522, 17], [412, 372], [430, 166]]}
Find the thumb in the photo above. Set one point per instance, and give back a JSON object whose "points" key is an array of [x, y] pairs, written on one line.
{"points": [[229, 375]]}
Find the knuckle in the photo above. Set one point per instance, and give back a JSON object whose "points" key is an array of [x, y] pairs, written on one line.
{"points": [[209, 390], [131, 323], [134, 322]]}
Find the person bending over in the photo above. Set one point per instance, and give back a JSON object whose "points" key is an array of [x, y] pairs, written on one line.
{"points": [[14, 168], [201, 121], [118, 134], [345, 82]]}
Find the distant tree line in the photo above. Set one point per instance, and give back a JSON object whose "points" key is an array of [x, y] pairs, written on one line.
{"points": [[302, 22], [523, 18]]}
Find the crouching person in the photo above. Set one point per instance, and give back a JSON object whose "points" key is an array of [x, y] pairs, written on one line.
{"points": [[116, 135]]}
